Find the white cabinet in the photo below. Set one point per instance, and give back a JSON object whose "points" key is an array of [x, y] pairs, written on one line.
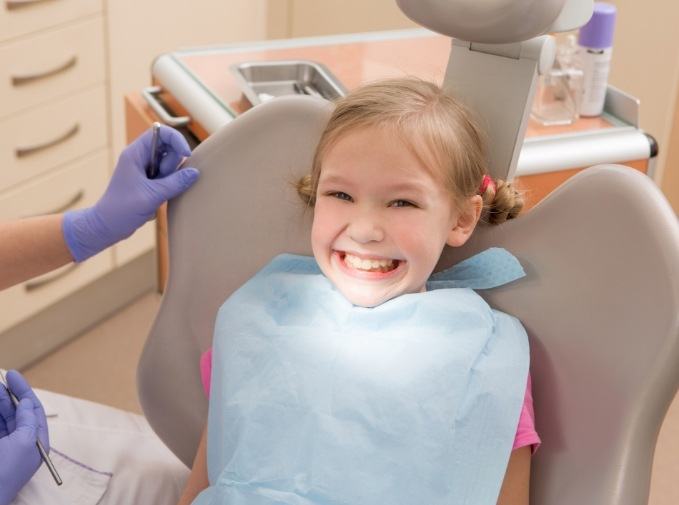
{"points": [[21, 17], [37, 140], [140, 31], [65, 67], [54, 135], [73, 186], [51, 64]]}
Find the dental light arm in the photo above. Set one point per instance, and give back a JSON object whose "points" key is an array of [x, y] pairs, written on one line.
{"points": [[497, 52]]}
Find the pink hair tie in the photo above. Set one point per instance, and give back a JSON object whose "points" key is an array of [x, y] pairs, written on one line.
{"points": [[487, 181]]}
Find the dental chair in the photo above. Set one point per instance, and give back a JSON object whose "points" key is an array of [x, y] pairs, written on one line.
{"points": [[599, 301]]}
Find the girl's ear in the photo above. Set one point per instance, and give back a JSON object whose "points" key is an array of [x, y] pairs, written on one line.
{"points": [[465, 222]]}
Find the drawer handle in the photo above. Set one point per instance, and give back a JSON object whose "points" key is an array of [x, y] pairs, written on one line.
{"points": [[149, 95], [20, 80], [72, 202], [32, 286], [22, 152], [17, 4]]}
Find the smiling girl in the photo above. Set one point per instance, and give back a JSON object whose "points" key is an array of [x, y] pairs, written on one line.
{"points": [[345, 379]]}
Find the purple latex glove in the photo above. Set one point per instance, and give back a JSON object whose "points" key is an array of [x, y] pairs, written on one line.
{"points": [[131, 198], [20, 428]]}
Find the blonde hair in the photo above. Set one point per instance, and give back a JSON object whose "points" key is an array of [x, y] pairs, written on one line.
{"points": [[436, 127]]}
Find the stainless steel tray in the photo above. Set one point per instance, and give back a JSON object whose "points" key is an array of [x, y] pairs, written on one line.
{"points": [[264, 80]]}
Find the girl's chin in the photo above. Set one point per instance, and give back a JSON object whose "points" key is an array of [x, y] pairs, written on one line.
{"points": [[364, 299]]}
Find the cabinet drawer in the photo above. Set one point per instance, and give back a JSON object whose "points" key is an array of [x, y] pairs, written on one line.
{"points": [[51, 64], [142, 241], [19, 17], [79, 184], [44, 137]]}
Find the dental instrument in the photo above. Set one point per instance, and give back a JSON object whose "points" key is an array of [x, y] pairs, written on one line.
{"points": [[41, 448], [90, 230], [152, 168]]}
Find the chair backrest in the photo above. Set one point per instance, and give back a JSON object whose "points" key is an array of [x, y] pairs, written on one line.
{"points": [[599, 302]]}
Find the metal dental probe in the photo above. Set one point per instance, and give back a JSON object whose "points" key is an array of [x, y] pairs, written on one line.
{"points": [[152, 168], [41, 448]]}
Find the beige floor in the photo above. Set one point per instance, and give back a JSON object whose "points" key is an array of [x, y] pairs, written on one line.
{"points": [[101, 365]]}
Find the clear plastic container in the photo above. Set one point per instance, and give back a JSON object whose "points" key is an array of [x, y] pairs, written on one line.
{"points": [[559, 92]]}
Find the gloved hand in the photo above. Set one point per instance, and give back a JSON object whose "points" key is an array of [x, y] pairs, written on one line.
{"points": [[20, 428], [131, 198]]}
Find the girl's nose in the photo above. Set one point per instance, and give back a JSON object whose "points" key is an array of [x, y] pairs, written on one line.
{"points": [[364, 229]]}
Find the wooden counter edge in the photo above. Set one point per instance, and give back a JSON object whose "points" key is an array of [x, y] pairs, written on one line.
{"points": [[138, 118]]}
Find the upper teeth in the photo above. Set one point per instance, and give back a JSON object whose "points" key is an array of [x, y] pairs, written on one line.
{"points": [[362, 264]]}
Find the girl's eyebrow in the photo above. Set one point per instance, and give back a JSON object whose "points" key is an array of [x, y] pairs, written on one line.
{"points": [[408, 186], [401, 186], [334, 179]]}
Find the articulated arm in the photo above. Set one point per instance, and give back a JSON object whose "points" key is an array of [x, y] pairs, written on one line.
{"points": [[496, 56]]}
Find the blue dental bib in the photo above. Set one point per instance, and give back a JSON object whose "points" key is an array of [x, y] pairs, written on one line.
{"points": [[315, 401]]}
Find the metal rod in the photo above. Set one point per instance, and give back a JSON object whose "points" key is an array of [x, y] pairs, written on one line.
{"points": [[152, 169], [41, 449]]}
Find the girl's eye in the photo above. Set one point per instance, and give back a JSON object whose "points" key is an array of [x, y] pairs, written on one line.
{"points": [[340, 195], [402, 203]]}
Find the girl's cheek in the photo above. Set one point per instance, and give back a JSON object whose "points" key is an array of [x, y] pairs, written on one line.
{"points": [[409, 229], [328, 212], [416, 239], [320, 217], [322, 223]]}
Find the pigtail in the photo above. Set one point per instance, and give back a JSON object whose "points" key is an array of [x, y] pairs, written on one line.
{"points": [[305, 190], [501, 201]]}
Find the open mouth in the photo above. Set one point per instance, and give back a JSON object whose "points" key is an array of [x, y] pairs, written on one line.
{"points": [[369, 268], [368, 265]]}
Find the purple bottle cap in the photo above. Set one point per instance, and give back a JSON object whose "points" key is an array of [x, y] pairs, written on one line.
{"points": [[598, 32]]}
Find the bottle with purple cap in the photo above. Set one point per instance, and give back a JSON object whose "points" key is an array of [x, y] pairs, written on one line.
{"points": [[596, 45]]}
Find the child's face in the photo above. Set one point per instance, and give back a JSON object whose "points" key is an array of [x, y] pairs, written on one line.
{"points": [[381, 219]]}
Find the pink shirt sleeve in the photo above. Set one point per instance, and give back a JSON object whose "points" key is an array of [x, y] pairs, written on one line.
{"points": [[206, 370], [525, 433]]}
